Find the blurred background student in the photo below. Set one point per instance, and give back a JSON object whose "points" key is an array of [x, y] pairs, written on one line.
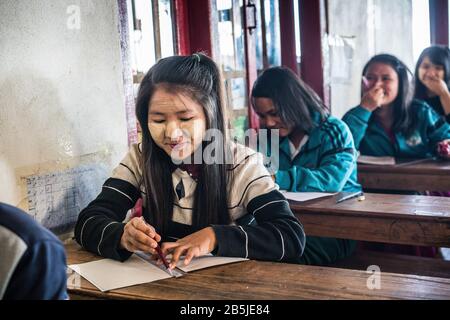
{"points": [[387, 123], [432, 79]]}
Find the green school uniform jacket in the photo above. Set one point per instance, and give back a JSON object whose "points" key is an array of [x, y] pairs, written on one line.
{"points": [[371, 139], [326, 163]]}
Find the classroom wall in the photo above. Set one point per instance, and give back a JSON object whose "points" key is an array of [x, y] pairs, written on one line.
{"points": [[371, 27], [62, 114]]}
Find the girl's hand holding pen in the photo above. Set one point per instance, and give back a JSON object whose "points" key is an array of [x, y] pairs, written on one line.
{"points": [[194, 245], [139, 236]]}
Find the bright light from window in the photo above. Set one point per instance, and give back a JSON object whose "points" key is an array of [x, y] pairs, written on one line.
{"points": [[421, 26]]}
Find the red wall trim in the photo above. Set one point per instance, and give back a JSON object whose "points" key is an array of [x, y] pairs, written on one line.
{"points": [[193, 26], [311, 45], [287, 33], [439, 22], [182, 27]]}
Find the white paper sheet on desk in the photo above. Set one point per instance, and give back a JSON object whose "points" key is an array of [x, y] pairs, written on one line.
{"points": [[206, 262], [305, 196], [108, 274]]}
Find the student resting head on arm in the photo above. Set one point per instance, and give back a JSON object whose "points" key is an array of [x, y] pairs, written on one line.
{"points": [[198, 192], [316, 150], [432, 79], [387, 122], [32, 259]]}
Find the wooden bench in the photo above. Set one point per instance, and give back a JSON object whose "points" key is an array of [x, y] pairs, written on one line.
{"points": [[396, 263]]}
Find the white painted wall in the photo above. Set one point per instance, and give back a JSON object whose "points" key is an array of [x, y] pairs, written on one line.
{"points": [[378, 26], [61, 90]]}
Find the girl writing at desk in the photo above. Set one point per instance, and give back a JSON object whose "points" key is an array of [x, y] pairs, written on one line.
{"points": [[316, 151], [193, 208]]}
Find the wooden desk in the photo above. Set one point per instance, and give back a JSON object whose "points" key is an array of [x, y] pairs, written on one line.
{"points": [[432, 175], [401, 219], [265, 280]]}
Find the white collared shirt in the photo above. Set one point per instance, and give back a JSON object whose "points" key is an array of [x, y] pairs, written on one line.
{"points": [[295, 151]]}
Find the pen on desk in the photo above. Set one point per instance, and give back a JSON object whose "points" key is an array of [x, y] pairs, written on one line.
{"points": [[351, 196]]}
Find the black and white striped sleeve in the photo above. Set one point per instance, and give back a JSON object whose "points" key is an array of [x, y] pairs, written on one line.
{"points": [[99, 226], [277, 235]]}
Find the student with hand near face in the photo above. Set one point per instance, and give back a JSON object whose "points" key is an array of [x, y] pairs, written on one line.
{"points": [[432, 79], [386, 122], [191, 208]]}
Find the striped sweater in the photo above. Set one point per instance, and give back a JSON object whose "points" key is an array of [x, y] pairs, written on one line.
{"points": [[263, 226]]}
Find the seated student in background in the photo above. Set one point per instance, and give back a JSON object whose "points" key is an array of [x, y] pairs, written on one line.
{"points": [[32, 259], [432, 79], [386, 123], [194, 209], [316, 153], [432, 82]]}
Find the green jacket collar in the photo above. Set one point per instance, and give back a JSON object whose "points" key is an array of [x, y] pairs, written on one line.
{"points": [[314, 140]]}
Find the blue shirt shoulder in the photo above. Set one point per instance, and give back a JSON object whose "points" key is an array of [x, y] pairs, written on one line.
{"points": [[41, 269]]}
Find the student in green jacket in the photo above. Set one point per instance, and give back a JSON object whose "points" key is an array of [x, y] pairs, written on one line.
{"points": [[316, 150], [432, 79], [387, 123]]}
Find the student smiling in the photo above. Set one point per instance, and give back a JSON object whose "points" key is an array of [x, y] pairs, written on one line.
{"points": [[432, 79], [193, 209], [176, 122], [386, 122]]}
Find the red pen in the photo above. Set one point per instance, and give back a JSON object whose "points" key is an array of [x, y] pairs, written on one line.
{"points": [[137, 212], [137, 209], [163, 259]]}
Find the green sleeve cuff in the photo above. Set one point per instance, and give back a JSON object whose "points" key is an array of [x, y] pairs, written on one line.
{"points": [[283, 179], [362, 113]]}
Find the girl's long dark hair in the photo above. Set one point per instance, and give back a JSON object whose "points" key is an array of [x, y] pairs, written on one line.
{"points": [[438, 55], [199, 78], [294, 100], [405, 118]]}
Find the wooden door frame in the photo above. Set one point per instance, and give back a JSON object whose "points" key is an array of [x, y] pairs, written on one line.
{"points": [[287, 33], [439, 22]]}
